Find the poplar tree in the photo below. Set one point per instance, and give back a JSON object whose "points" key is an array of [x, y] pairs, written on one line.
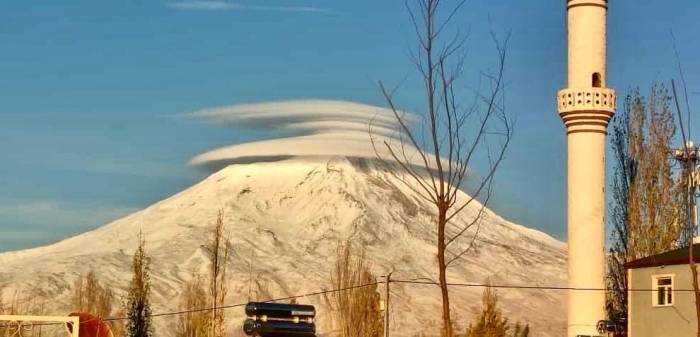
{"points": [[195, 322], [355, 310], [645, 214], [92, 297], [138, 306], [218, 248]]}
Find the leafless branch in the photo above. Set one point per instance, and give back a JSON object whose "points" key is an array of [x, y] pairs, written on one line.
{"points": [[451, 134]]}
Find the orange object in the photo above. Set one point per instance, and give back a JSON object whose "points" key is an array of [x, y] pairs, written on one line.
{"points": [[90, 325]]}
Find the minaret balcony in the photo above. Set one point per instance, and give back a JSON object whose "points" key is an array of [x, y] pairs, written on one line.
{"points": [[587, 99]]}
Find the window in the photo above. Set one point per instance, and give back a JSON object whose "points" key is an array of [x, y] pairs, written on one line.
{"points": [[662, 294], [597, 82]]}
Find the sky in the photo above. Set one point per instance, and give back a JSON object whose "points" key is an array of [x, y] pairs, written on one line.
{"points": [[92, 93]]}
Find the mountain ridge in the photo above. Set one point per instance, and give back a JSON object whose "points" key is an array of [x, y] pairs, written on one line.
{"points": [[286, 219]]}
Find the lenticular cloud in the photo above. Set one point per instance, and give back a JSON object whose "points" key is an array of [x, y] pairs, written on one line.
{"points": [[302, 128]]}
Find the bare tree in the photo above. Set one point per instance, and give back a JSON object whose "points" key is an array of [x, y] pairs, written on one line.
{"points": [[92, 297], [14, 307], [22, 302], [454, 134], [194, 323], [118, 326], [218, 249], [618, 217], [491, 321], [356, 310]]}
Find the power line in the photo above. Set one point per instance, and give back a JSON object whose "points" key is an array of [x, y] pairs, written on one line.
{"points": [[325, 292], [228, 306], [483, 285], [322, 292]]}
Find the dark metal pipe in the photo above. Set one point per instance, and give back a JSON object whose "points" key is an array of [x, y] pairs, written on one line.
{"points": [[280, 310], [278, 329]]}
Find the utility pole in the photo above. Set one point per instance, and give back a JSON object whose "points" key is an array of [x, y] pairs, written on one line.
{"points": [[688, 158], [386, 307]]}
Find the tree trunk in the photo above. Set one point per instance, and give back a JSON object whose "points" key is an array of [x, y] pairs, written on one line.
{"points": [[439, 175], [446, 321]]}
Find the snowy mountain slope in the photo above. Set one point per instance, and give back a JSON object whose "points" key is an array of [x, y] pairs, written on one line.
{"points": [[287, 218]]}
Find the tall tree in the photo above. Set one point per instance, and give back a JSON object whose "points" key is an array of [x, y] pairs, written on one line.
{"points": [[434, 158], [218, 248], [645, 213], [138, 305], [356, 310]]}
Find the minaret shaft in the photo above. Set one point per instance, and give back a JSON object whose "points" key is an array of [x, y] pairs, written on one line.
{"points": [[587, 43], [586, 232], [585, 107]]}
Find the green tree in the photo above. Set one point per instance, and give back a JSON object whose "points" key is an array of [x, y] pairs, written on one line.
{"points": [[138, 307]]}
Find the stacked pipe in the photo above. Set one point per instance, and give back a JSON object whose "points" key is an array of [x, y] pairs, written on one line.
{"points": [[279, 320]]}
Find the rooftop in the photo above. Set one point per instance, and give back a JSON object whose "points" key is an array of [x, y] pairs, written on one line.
{"points": [[673, 257]]}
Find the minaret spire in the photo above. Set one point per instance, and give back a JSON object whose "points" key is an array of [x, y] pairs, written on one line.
{"points": [[585, 107]]}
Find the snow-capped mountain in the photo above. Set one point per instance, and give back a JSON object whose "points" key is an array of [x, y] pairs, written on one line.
{"points": [[286, 219]]}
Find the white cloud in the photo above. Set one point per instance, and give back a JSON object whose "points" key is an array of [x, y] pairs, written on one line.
{"points": [[318, 145], [289, 114], [213, 5], [305, 128]]}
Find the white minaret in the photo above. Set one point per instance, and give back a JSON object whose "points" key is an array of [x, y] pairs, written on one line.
{"points": [[586, 106]]}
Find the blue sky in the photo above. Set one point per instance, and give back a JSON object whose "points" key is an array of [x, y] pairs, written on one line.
{"points": [[89, 90]]}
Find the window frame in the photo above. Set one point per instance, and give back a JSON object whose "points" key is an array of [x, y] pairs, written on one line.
{"points": [[655, 292]]}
